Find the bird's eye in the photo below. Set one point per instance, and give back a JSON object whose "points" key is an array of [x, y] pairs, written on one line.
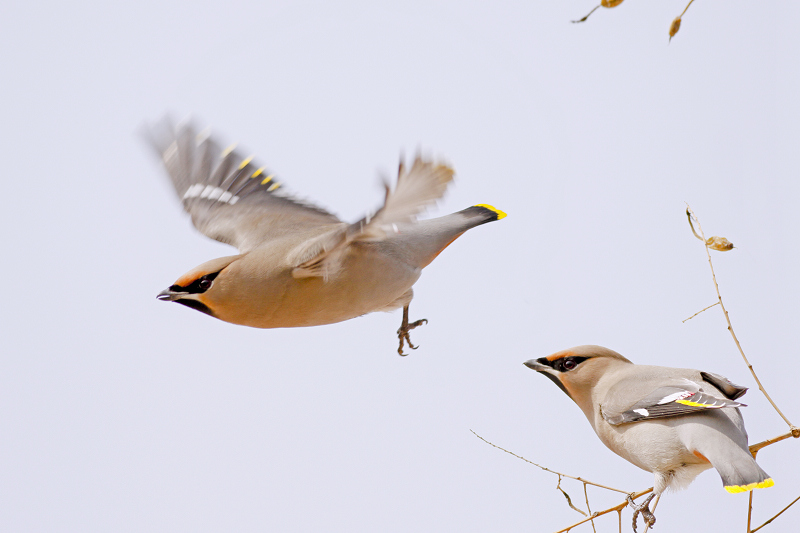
{"points": [[204, 284], [569, 364]]}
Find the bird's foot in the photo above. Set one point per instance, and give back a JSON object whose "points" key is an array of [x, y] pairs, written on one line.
{"points": [[644, 508], [404, 333]]}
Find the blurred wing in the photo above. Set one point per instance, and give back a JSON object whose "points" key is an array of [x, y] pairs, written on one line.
{"points": [[416, 189], [666, 402], [230, 198]]}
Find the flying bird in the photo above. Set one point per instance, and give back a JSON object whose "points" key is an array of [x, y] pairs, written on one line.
{"points": [[673, 422], [298, 264]]}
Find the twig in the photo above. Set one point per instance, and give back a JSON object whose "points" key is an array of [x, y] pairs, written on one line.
{"points": [[618, 508], [569, 500], [754, 450], [585, 482], [587, 16], [691, 215], [547, 469], [771, 519], [586, 495], [687, 7], [763, 444], [700, 311]]}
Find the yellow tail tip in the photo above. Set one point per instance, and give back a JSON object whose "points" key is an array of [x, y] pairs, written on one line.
{"points": [[500, 214], [735, 489]]}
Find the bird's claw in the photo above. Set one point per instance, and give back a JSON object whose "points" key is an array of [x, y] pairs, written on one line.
{"points": [[404, 334], [644, 508]]}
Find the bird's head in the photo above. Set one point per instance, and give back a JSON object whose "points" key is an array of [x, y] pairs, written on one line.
{"points": [[195, 289], [577, 370]]}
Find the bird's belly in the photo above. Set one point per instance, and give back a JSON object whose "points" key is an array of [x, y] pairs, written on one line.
{"points": [[362, 286], [652, 445], [313, 302]]}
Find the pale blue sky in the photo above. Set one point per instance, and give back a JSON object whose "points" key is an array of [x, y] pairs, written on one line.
{"points": [[123, 413]]}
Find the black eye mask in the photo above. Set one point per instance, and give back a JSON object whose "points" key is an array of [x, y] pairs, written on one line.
{"points": [[200, 285], [565, 364]]}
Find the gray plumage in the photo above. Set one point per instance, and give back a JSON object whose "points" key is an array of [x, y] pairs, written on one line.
{"points": [[672, 422]]}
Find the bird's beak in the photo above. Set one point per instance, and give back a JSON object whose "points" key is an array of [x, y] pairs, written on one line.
{"points": [[534, 365], [548, 372], [168, 295]]}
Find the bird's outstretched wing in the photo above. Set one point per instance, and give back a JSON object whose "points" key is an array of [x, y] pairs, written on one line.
{"points": [[230, 198], [679, 398], [417, 188]]}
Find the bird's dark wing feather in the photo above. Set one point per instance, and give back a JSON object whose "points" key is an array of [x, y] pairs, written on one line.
{"points": [[666, 402]]}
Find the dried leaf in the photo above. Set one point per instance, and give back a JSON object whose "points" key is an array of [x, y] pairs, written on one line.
{"points": [[720, 244], [689, 216], [674, 27]]}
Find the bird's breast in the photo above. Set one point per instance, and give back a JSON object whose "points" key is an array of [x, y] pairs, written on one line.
{"points": [[272, 298]]}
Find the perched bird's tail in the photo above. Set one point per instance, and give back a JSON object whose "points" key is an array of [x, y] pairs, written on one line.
{"points": [[423, 240], [743, 475], [738, 469]]}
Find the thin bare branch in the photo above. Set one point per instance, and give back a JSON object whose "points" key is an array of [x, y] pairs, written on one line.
{"points": [[587, 16], [700, 311], [763, 444], [617, 508], [750, 510], [691, 216], [547, 469], [569, 500], [771, 519], [687, 7], [586, 495]]}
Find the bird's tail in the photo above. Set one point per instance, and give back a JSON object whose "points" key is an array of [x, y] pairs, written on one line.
{"points": [[740, 472], [422, 241], [483, 212]]}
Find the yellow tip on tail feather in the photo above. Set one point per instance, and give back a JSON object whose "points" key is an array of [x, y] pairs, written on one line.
{"points": [[735, 489]]}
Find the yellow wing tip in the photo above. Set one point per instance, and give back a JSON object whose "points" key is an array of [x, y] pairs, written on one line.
{"points": [[736, 489], [693, 404], [500, 214]]}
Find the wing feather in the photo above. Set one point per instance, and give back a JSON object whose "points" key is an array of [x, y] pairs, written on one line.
{"points": [[666, 402], [416, 189], [229, 197]]}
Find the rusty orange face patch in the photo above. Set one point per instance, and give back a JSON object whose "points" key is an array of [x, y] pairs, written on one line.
{"points": [[187, 279]]}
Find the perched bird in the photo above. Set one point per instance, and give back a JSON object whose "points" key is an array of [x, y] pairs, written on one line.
{"points": [[673, 422], [299, 265]]}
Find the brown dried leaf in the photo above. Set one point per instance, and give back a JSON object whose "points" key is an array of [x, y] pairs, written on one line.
{"points": [[674, 27], [720, 244]]}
